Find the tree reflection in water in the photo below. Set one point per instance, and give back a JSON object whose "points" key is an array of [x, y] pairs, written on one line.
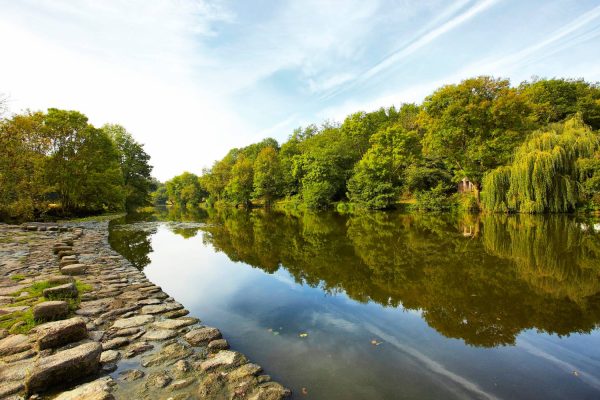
{"points": [[479, 278]]}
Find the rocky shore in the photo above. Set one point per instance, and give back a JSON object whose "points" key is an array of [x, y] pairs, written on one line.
{"points": [[78, 321]]}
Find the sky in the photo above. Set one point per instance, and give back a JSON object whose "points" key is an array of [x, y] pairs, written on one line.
{"points": [[191, 79]]}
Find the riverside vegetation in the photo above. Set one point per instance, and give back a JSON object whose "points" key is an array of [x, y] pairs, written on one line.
{"points": [[533, 148]]}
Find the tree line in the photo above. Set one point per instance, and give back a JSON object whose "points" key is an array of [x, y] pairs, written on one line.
{"points": [[529, 148], [56, 163]]}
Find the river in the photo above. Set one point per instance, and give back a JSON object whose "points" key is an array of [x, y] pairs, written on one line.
{"points": [[388, 305]]}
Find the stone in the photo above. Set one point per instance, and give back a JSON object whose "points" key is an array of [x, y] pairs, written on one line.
{"points": [[99, 389], [132, 322], [109, 356], [10, 310], [160, 308], [8, 388], [61, 291], [49, 310], [64, 262], [115, 343], [182, 383], [64, 366], [125, 332], [63, 253], [224, 358], [270, 391], [60, 279], [58, 333], [159, 334], [216, 345], [132, 375], [19, 356], [58, 248], [14, 344], [204, 335], [159, 379], [74, 269], [170, 353], [176, 314], [244, 371], [182, 366], [10, 290], [138, 348], [174, 323]]}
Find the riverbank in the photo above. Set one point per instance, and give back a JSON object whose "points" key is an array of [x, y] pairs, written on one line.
{"points": [[111, 333]]}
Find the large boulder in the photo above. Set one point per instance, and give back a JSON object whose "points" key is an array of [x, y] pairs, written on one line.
{"points": [[64, 366], [50, 310], [54, 334]]}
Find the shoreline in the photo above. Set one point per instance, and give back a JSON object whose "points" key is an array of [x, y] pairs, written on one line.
{"points": [[122, 335]]}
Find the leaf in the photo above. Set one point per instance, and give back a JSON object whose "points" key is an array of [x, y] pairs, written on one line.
{"points": [[375, 342], [303, 335]]}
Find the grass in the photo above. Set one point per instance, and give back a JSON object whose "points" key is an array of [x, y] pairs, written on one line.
{"points": [[23, 321], [96, 218], [17, 277]]}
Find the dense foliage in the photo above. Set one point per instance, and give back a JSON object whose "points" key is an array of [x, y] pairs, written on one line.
{"points": [[58, 163], [467, 132]]}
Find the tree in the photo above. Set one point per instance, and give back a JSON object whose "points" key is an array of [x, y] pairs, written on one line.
{"points": [[267, 175], [83, 166], [239, 188], [474, 125], [134, 165], [185, 190], [553, 100], [544, 176]]}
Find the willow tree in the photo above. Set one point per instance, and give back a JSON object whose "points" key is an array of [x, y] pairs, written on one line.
{"points": [[543, 176]]}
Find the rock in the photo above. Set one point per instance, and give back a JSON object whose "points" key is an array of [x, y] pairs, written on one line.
{"points": [[174, 323], [244, 371], [132, 322], [60, 279], [115, 343], [182, 366], [138, 348], [159, 379], [10, 290], [58, 333], [63, 253], [159, 334], [132, 375], [170, 353], [216, 345], [64, 366], [224, 358], [160, 308], [57, 249], [8, 388], [10, 310], [177, 313], [74, 269], [270, 391], [109, 356], [49, 310], [64, 262], [14, 344], [19, 356], [125, 332], [204, 335], [99, 389], [182, 383], [62, 291]]}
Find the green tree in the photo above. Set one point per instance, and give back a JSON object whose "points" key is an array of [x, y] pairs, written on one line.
{"points": [[544, 176], [475, 125], [267, 175], [185, 190], [134, 165], [239, 189]]}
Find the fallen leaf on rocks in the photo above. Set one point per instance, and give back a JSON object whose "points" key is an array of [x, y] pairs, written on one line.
{"points": [[375, 342], [304, 334]]}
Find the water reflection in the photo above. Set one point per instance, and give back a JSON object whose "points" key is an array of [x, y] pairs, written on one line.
{"points": [[481, 279]]}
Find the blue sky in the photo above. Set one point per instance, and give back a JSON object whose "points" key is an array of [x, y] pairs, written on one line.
{"points": [[193, 78]]}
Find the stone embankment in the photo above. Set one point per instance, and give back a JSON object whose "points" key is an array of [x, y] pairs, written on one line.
{"points": [[77, 321]]}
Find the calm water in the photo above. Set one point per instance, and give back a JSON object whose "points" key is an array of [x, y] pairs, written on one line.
{"points": [[389, 305]]}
